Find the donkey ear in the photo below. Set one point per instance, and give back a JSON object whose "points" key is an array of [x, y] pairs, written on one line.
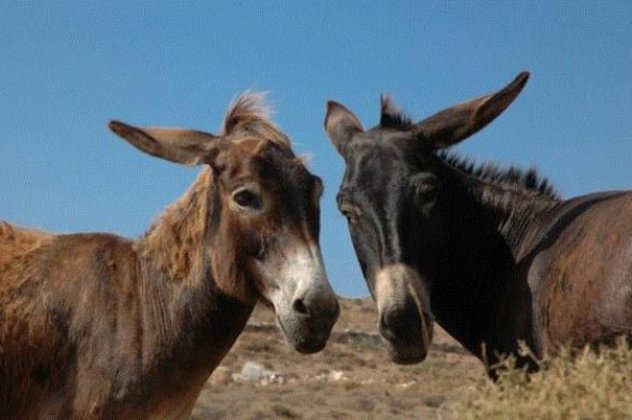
{"points": [[341, 124], [454, 124], [183, 146]]}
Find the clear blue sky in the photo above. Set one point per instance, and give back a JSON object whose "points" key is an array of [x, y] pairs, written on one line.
{"points": [[66, 68]]}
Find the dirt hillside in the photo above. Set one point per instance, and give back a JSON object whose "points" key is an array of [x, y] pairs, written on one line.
{"points": [[262, 378]]}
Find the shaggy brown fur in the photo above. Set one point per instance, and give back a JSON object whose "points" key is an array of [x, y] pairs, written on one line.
{"points": [[98, 326], [183, 225]]}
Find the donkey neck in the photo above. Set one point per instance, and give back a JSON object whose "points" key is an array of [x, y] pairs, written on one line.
{"points": [[176, 242], [514, 210], [183, 303], [511, 197], [487, 222]]}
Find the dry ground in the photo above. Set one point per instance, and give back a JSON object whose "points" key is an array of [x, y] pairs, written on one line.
{"points": [[351, 378]]}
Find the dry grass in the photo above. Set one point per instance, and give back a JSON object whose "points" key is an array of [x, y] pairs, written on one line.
{"points": [[582, 385], [450, 384]]}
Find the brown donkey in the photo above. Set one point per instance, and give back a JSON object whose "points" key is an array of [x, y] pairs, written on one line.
{"points": [[98, 326]]}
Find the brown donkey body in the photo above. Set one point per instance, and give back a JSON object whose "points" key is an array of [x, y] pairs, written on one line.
{"points": [[98, 326]]}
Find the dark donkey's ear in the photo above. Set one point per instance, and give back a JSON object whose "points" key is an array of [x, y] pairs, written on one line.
{"points": [[183, 146], [459, 122], [341, 124]]}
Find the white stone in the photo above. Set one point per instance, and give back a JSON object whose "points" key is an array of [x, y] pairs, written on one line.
{"points": [[253, 371], [336, 375]]}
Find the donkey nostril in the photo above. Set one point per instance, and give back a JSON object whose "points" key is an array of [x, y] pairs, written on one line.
{"points": [[385, 330], [300, 307], [382, 323]]}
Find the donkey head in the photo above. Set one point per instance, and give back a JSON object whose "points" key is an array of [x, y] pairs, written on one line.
{"points": [[392, 195], [262, 218]]}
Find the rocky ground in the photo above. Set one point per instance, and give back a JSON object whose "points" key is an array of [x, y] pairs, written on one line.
{"points": [[262, 378]]}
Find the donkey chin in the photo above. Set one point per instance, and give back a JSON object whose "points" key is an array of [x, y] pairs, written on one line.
{"points": [[306, 313], [404, 318], [305, 333]]}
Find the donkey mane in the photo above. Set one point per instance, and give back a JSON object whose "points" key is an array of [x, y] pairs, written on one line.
{"points": [[250, 112], [391, 116], [519, 180], [179, 229]]}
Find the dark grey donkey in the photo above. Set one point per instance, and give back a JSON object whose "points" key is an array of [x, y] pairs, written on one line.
{"points": [[494, 256]]}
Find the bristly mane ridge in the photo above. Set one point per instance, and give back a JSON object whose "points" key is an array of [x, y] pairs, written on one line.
{"points": [[521, 180], [391, 116]]}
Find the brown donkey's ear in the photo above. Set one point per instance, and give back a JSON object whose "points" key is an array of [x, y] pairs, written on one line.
{"points": [[183, 146], [459, 122], [341, 124]]}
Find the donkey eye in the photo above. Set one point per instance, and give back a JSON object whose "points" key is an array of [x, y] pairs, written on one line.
{"points": [[425, 187], [247, 198], [426, 191]]}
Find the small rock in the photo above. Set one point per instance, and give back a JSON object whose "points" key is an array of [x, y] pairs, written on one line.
{"points": [[256, 372], [286, 412], [291, 377], [221, 376], [336, 375], [433, 400], [333, 376], [253, 371]]}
